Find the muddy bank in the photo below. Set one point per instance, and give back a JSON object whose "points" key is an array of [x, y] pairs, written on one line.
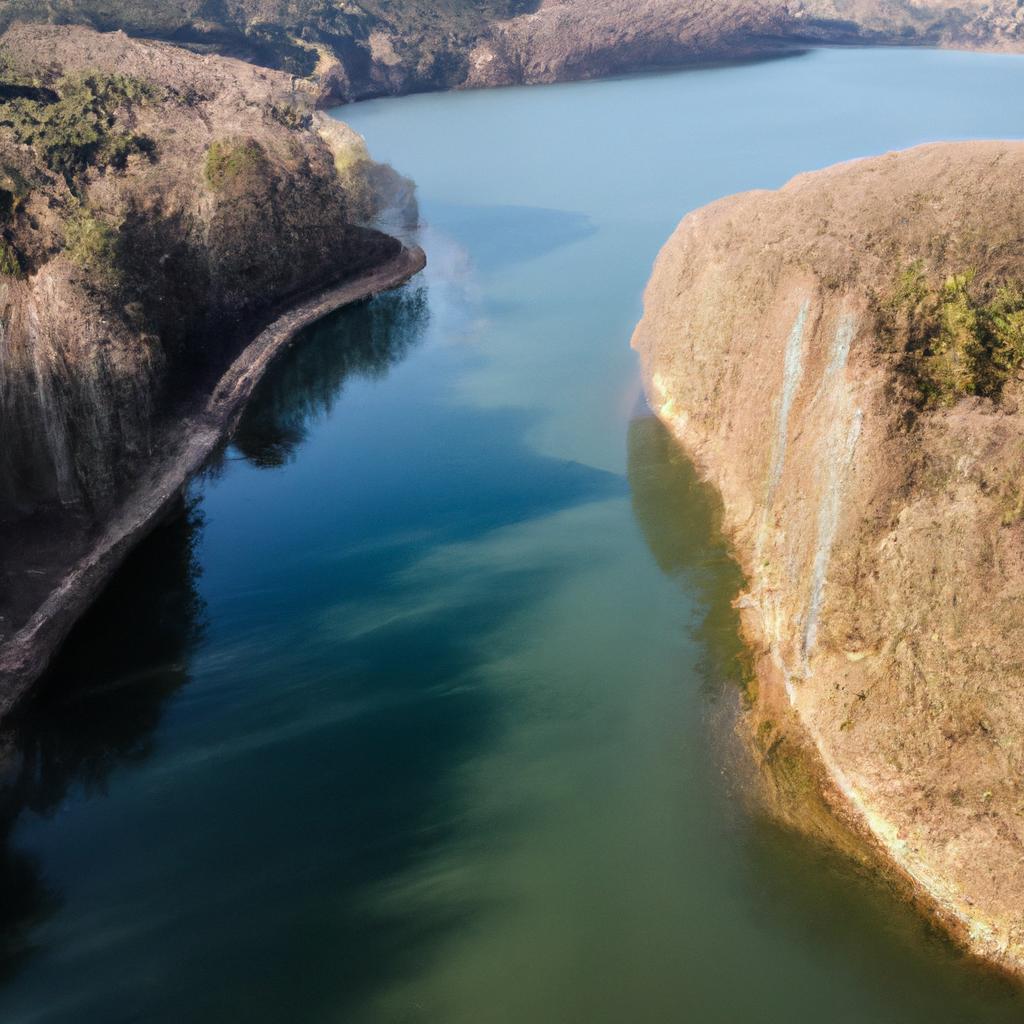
{"points": [[841, 359], [25, 656]]}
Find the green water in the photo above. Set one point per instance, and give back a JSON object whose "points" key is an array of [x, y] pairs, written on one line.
{"points": [[420, 710]]}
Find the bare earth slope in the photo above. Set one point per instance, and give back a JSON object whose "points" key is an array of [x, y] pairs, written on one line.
{"points": [[352, 50], [843, 359]]}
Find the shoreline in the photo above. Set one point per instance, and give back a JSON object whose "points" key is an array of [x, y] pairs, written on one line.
{"points": [[877, 839], [25, 657]]}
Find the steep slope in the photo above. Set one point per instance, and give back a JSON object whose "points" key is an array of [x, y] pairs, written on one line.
{"points": [[156, 208], [843, 358]]}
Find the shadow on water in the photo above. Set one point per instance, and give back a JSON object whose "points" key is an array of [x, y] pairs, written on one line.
{"points": [[98, 708], [372, 806], [680, 516]]}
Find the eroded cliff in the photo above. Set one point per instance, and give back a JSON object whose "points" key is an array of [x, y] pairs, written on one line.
{"points": [[156, 208], [843, 359]]}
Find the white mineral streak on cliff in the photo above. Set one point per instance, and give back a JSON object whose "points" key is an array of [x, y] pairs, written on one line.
{"points": [[839, 452], [767, 598], [792, 371], [841, 346], [837, 458]]}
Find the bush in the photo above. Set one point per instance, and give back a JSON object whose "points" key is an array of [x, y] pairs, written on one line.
{"points": [[10, 265], [292, 118], [82, 126], [958, 341]]}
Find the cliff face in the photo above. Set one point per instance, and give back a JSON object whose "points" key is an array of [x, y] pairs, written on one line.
{"points": [[842, 357], [371, 48], [154, 207]]}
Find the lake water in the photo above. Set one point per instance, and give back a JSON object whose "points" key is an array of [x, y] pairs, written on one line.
{"points": [[421, 710]]}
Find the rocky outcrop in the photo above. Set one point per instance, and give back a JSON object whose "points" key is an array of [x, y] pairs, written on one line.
{"points": [[374, 48], [843, 360], [156, 210]]}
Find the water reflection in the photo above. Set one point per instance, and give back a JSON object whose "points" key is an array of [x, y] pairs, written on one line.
{"points": [[302, 387], [101, 704], [500, 236], [679, 515], [98, 709]]}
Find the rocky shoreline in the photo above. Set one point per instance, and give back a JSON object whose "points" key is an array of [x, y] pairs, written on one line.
{"points": [[27, 654]]}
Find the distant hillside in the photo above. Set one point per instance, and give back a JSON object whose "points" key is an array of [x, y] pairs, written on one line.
{"points": [[353, 50], [356, 49]]}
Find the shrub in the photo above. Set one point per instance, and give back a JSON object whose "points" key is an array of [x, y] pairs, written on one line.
{"points": [[292, 118], [957, 341], [10, 265], [92, 244], [82, 126]]}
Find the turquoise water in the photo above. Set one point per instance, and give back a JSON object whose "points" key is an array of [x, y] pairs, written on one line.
{"points": [[420, 709]]}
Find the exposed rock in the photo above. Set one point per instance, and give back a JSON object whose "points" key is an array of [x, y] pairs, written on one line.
{"points": [[822, 352]]}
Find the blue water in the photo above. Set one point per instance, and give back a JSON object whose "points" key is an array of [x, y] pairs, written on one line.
{"points": [[420, 710]]}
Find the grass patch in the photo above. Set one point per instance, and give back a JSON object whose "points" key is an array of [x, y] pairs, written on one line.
{"points": [[93, 245], [229, 160]]}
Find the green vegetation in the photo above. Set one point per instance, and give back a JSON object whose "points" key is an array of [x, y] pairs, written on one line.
{"points": [[92, 244], [960, 339], [229, 160], [78, 123], [10, 265], [14, 188], [353, 165]]}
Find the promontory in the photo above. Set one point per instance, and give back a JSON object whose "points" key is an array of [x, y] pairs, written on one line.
{"points": [[167, 222], [843, 359]]}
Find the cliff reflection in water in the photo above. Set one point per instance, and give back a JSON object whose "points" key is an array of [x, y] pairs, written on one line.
{"points": [[98, 709], [680, 516], [366, 339], [102, 703]]}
